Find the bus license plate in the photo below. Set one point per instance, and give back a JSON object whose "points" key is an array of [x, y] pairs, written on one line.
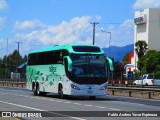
{"points": [[90, 92]]}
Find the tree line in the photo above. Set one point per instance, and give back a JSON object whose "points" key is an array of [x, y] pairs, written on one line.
{"points": [[9, 63]]}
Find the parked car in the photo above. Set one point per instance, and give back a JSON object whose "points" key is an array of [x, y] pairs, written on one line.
{"points": [[138, 81], [148, 79]]}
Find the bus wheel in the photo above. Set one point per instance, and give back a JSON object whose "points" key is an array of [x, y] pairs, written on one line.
{"points": [[36, 90], [92, 97], [60, 91]]}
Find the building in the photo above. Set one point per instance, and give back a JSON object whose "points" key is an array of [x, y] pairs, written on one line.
{"points": [[147, 28]]}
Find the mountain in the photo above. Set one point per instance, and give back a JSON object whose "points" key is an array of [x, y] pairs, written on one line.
{"points": [[118, 52]]}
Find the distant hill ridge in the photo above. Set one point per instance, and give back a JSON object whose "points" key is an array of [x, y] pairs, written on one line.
{"points": [[119, 52]]}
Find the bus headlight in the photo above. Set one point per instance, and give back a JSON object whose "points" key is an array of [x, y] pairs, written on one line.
{"points": [[74, 87], [104, 87]]}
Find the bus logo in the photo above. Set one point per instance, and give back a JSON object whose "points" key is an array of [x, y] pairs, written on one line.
{"points": [[52, 69]]}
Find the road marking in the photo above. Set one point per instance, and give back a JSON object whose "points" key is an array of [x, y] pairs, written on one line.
{"points": [[114, 109], [100, 107], [77, 103], [88, 105], [67, 102], [58, 101], [78, 118], [23, 106]]}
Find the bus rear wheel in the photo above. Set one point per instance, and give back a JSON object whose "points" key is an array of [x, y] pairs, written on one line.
{"points": [[36, 90], [60, 91]]}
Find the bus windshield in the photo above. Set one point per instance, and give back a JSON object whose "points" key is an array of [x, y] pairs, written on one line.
{"points": [[88, 65]]}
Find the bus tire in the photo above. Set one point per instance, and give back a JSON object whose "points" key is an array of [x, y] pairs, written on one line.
{"points": [[92, 97], [36, 90], [60, 91]]}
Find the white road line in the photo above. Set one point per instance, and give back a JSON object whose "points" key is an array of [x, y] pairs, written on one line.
{"points": [[59, 101], [114, 109], [77, 103], [67, 102], [88, 105], [100, 107], [23, 106], [78, 118]]}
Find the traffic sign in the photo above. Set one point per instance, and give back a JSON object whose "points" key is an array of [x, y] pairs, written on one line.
{"points": [[130, 75]]}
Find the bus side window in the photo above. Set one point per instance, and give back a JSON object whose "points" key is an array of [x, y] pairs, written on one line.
{"points": [[32, 59]]}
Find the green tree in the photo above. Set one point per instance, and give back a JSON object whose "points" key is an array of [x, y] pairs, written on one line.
{"points": [[2, 68], [150, 62], [14, 60], [10, 63], [125, 59], [141, 48], [141, 64]]}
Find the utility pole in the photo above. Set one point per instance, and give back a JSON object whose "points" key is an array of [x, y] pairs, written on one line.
{"points": [[94, 24], [18, 46], [18, 53], [6, 65]]}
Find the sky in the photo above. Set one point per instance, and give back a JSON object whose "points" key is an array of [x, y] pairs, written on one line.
{"points": [[35, 24]]}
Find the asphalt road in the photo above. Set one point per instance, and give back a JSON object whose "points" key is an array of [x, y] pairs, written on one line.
{"points": [[23, 100]]}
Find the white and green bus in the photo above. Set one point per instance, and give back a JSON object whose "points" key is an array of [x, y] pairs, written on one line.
{"points": [[71, 69]]}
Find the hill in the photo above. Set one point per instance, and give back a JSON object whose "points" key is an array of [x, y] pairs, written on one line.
{"points": [[119, 52]]}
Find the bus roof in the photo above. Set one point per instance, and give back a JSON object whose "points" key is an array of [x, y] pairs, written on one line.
{"points": [[72, 48]]}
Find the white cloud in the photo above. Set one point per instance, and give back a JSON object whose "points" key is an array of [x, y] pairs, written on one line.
{"points": [[78, 30], [28, 25], [141, 4], [3, 5], [66, 32]]}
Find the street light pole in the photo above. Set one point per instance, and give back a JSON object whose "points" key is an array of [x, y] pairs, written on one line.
{"points": [[109, 52], [109, 41]]}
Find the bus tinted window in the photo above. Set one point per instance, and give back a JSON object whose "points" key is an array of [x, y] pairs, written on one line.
{"points": [[49, 57], [86, 49], [32, 59]]}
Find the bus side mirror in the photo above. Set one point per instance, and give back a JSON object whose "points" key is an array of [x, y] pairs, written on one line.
{"points": [[68, 61], [110, 63]]}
